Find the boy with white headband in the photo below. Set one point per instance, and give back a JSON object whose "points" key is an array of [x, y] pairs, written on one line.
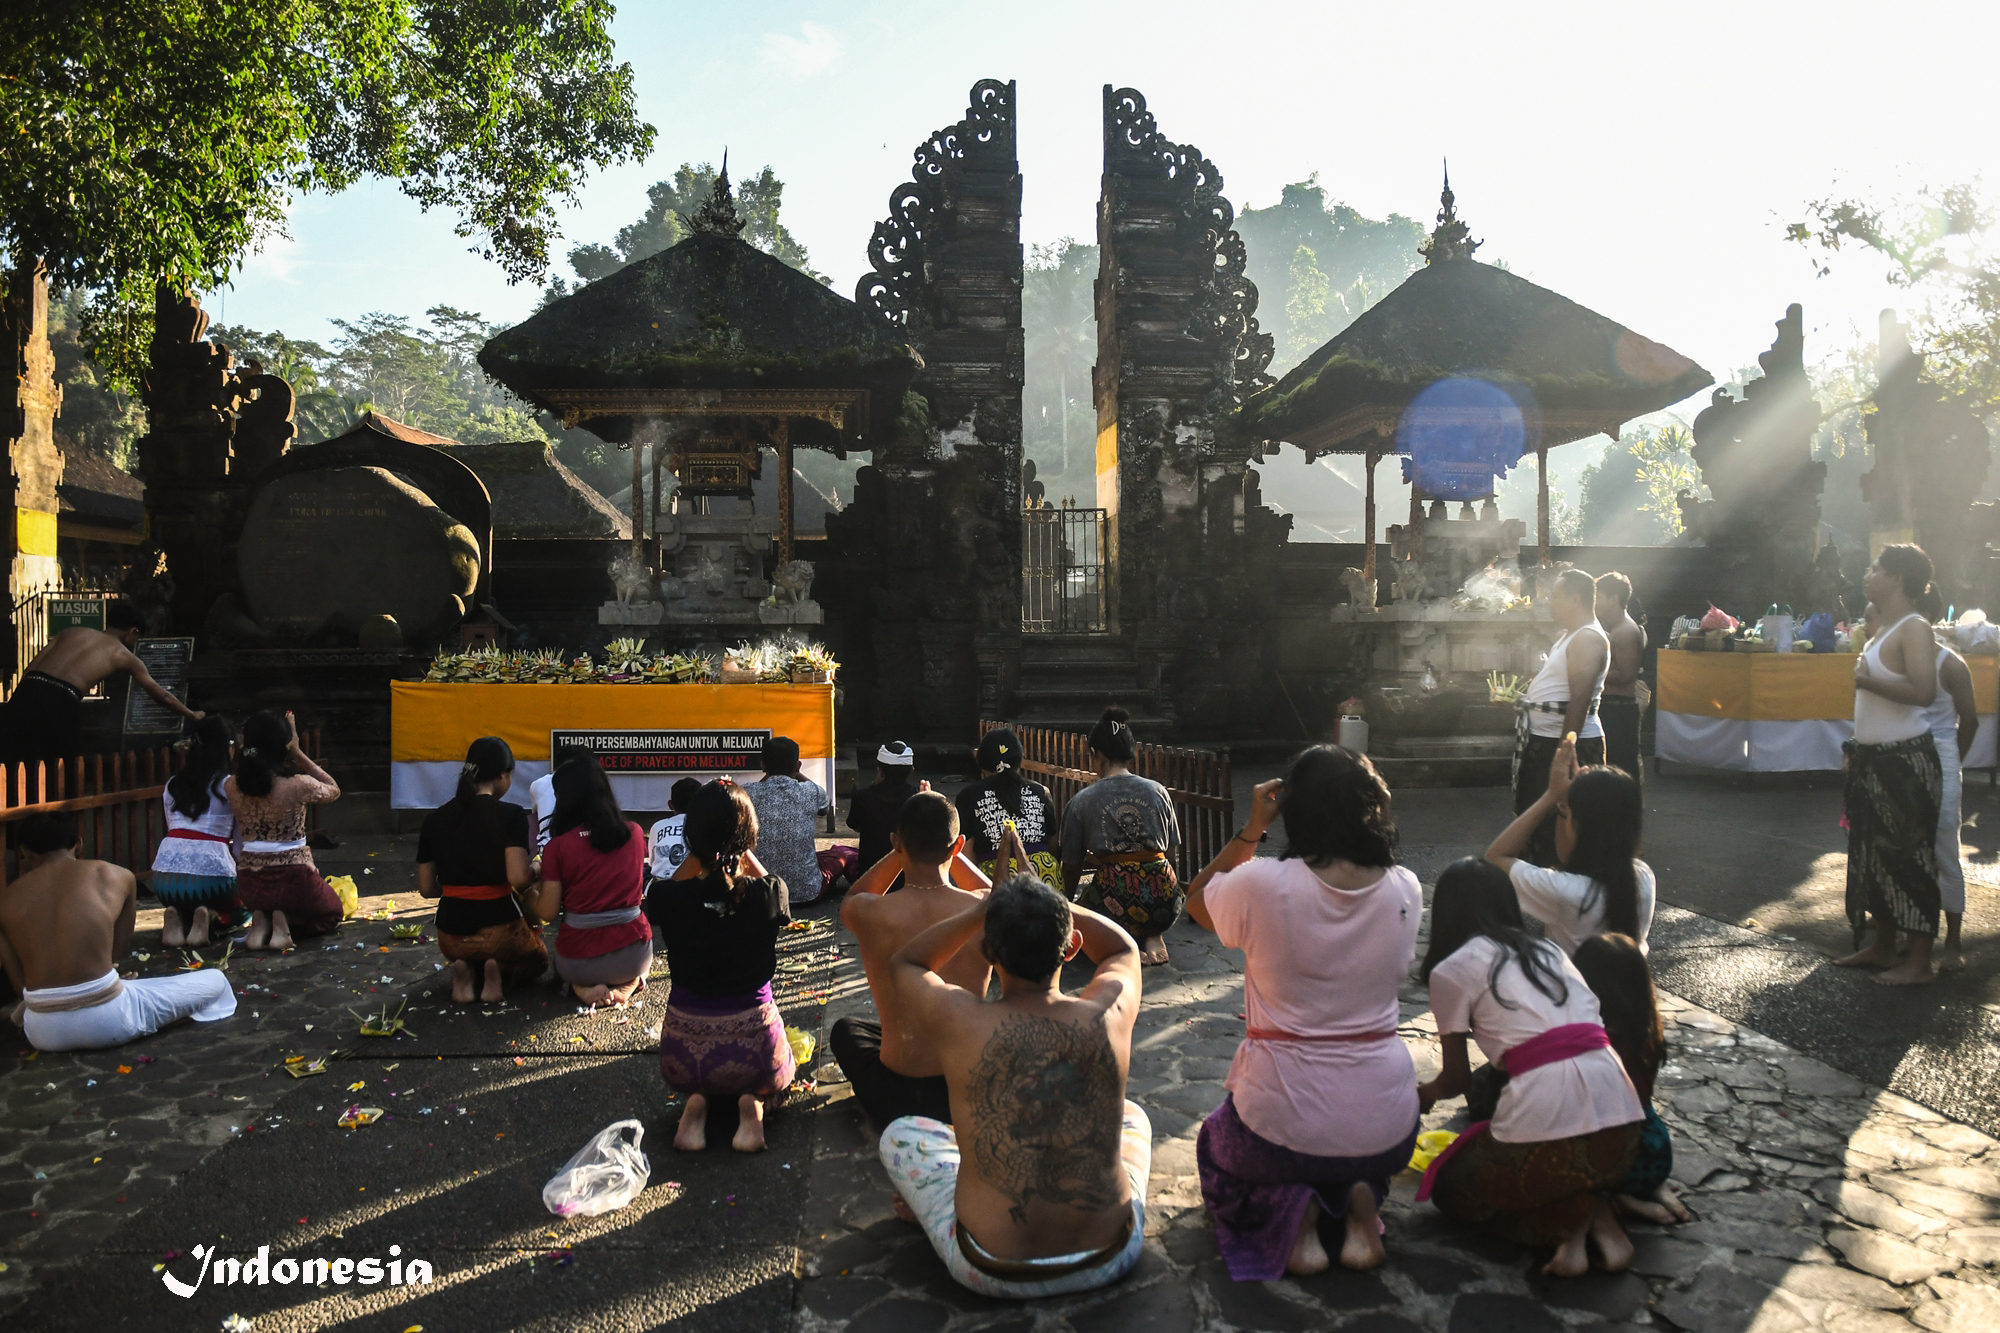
{"points": [[872, 813]]}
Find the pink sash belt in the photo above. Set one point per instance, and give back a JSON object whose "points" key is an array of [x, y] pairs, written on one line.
{"points": [[1552, 1047]]}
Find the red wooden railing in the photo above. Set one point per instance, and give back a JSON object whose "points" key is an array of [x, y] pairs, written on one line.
{"points": [[116, 798], [1197, 780]]}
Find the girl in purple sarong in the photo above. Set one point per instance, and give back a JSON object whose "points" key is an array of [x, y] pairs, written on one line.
{"points": [[1322, 1102], [719, 917]]}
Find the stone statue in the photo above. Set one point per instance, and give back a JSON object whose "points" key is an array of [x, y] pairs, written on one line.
{"points": [[1360, 588], [1412, 584], [633, 580], [794, 580]]}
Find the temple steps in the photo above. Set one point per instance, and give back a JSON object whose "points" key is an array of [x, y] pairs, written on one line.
{"points": [[1067, 681]]}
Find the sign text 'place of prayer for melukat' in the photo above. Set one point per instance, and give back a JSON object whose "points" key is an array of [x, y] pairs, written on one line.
{"points": [[730, 750]]}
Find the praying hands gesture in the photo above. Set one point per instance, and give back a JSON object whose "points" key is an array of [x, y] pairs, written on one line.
{"points": [[1266, 804]]}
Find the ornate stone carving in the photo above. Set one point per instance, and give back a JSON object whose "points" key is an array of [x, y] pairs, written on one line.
{"points": [[1452, 239], [717, 214], [896, 288]]}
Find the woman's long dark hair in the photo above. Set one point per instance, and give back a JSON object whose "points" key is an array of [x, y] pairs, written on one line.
{"points": [[1475, 897], [721, 826], [584, 800], [265, 754], [1606, 810], [485, 760], [200, 782], [1336, 807], [1615, 968], [1000, 754]]}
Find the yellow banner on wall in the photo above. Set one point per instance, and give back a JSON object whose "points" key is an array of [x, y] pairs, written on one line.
{"points": [[434, 721]]}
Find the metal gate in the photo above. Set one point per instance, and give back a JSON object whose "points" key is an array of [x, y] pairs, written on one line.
{"points": [[1063, 571]]}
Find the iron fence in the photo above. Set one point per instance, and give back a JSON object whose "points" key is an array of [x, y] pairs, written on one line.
{"points": [[1064, 571]]}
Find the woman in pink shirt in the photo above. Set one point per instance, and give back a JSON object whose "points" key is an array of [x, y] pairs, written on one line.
{"points": [[593, 869], [1322, 1102], [1567, 1126]]}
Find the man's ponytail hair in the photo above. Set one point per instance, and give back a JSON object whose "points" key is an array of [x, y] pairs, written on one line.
{"points": [[1112, 736]]}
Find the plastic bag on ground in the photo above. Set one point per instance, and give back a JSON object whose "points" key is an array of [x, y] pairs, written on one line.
{"points": [[803, 1045], [605, 1176], [349, 892]]}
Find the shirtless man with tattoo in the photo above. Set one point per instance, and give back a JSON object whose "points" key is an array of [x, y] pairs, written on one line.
{"points": [[1041, 1190]]}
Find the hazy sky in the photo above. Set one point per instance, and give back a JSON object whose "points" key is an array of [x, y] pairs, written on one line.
{"points": [[1640, 159]]}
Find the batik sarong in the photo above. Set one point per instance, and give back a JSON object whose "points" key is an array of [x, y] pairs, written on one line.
{"points": [[310, 905], [1145, 897], [1042, 864], [1534, 1193], [1654, 1161], [183, 893], [725, 1046], [515, 945], [1258, 1191], [1894, 792]]}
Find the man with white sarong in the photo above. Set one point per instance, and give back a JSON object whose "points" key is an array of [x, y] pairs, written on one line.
{"points": [[61, 924]]}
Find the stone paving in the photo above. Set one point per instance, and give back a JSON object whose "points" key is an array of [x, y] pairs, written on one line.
{"points": [[1823, 1203]]}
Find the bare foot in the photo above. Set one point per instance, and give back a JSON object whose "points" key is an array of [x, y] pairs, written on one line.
{"points": [[1613, 1245], [750, 1130], [260, 931], [1880, 953], [692, 1135], [592, 995], [1914, 972], [903, 1209], [1646, 1210], [172, 933], [491, 993], [281, 932], [1308, 1255], [1671, 1201], [1362, 1247], [1572, 1257], [1153, 950], [197, 936], [461, 982], [1950, 959]]}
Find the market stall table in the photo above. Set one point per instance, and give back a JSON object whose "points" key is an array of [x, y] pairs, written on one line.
{"points": [[646, 736], [1780, 712]]}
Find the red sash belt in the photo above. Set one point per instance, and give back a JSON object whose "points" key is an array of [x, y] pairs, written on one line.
{"points": [[195, 835], [1552, 1047], [1274, 1034], [479, 893]]}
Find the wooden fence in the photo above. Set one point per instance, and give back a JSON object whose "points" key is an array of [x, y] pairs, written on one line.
{"points": [[1197, 780], [115, 797]]}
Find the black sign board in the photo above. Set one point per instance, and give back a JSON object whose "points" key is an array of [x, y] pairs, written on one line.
{"points": [[733, 750], [168, 660]]}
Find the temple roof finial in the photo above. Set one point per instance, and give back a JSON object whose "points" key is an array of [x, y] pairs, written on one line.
{"points": [[1452, 239], [717, 215]]}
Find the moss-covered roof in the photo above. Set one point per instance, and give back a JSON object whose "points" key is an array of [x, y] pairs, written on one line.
{"points": [[709, 313], [534, 495], [1569, 367]]}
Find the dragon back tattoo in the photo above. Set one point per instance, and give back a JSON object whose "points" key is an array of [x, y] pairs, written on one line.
{"points": [[1047, 1103]]}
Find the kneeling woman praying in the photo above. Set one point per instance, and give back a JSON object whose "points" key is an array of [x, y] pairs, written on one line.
{"points": [[473, 854], [1566, 1130], [720, 916], [593, 871]]}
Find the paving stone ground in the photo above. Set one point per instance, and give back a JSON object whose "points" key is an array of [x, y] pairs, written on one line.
{"points": [[1823, 1201]]}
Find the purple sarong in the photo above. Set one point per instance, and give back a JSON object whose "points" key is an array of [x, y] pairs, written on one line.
{"points": [[725, 1045], [1257, 1190]]}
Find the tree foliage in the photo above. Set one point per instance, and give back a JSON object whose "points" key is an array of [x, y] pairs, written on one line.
{"points": [[1940, 247], [1059, 323], [164, 139], [1354, 260], [672, 204]]}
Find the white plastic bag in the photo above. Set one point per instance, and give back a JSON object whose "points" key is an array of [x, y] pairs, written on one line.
{"points": [[605, 1176], [1976, 635]]}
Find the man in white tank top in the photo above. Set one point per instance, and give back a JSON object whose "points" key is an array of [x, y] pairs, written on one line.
{"points": [[1562, 698], [1895, 780]]}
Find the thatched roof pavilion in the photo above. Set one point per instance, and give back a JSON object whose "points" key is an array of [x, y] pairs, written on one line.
{"points": [[1570, 371]]}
